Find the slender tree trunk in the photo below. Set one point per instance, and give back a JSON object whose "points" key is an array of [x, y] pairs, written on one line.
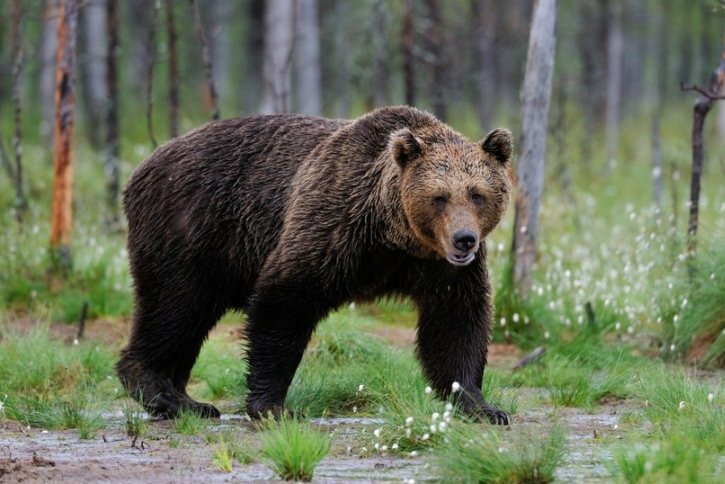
{"points": [[21, 204], [701, 109], [48, 54], [150, 76], [137, 15], [254, 59], [436, 42], [658, 40], [93, 17], [279, 22], [5, 160], [62, 215], [381, 59], [206, 60], [113, 182], [535, 111], [342, 49], [407, 42], [307, 59], [173, 70], [220, 45], [485, 34], [615, 53]]}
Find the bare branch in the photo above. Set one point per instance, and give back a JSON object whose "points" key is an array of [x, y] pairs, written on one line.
{"points": [[703, 92]]}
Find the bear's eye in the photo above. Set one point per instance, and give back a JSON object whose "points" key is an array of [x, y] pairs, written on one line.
{"points": [[476, 197], [440, 202]]}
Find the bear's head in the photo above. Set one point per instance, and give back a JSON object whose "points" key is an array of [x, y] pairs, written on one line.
{"points": [[453, 192]]}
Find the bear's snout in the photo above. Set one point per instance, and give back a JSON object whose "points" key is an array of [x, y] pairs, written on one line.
{"points": [[464, 240]]}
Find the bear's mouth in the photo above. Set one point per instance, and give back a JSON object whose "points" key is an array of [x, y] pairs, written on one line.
{"points": [[461, 260]]}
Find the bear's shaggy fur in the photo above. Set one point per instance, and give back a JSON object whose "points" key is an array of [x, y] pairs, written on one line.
{"points": [[287, 217]]}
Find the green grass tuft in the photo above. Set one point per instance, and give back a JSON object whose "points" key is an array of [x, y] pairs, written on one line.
{"points": [[470, 455], [293, 449]]}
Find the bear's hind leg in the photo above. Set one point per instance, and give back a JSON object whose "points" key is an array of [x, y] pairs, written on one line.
{"points": [[167, 336]]}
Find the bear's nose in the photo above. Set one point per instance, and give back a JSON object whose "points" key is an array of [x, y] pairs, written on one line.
{"points": [[464, 240]]}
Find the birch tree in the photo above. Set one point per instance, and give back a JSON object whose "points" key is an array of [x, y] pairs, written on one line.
{"points": [[206, 60], [61, 213], [113, 181], [615, 53], [48, 54], [173, 70], [307, 59], [535, 111], [21, 203], [278, 46], [94, 66]]}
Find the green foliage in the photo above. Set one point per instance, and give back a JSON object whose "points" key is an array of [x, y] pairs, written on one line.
{"points": [[134, 421], [695, 310], [472, 455], [292, 449], [672, 462], [49, 384], [189, 423]]}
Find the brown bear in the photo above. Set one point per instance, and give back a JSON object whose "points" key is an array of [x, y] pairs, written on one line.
{"points": [[287, 217]]}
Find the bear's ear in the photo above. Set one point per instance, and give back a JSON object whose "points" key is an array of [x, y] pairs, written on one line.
{"points": [[499, 144], [405, 147]]}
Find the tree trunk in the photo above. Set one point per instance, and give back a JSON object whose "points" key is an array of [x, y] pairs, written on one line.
{"points": [[381, 57], [173, 70], [221, 25], [113, 182], [615, 53], [485, 34], [407, 42], [339, 65], [278, 46], [702, 107], [21, 204], [254, 56], [62, 215], [535, 110], [151, 46], [48, 54], [307, 59], [435, 40], [658, 39], [94, 66], [206, 60]]}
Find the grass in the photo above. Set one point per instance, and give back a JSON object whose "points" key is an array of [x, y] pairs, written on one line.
{"points": [[470, 455], [673, 462], [293, 449], [189, 423], [49, 384], [134, 422]]}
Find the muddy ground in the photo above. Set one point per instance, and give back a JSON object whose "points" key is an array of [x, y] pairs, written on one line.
{"points": [[163, 455], [28, 454]]}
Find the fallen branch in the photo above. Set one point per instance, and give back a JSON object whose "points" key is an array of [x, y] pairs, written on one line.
{"points": [[709, 95], [530, 358]]}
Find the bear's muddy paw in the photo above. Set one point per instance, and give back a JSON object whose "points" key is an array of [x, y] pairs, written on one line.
{"points": [[276, 412], [168, 405], [495, 415]]}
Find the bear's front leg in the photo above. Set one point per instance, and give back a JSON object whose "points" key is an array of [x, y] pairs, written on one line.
{"points": [[453, 335], [282, 317]]}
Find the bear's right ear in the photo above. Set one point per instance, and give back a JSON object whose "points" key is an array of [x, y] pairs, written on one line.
{"points": [[405, 147]]}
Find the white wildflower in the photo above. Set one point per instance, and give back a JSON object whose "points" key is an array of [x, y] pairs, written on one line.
{"points": [[413, 453], [435, 416], [394, 446], [428, 390], [449, 407], [377, 432], [455, 387], [425, 437], [710, 398], [681, 405], [409, 421]]}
